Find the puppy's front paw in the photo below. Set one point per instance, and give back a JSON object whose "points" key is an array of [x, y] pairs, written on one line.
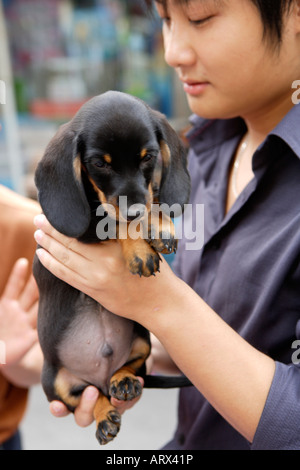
{"points": [[109, 427], [146, 265], [161, 233], [164, 242], [140, 257]]}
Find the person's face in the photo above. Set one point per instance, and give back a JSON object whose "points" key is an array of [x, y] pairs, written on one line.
{"points": [[218, 51]]}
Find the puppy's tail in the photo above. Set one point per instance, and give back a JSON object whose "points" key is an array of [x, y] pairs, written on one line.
{"points": [[160, 381]]}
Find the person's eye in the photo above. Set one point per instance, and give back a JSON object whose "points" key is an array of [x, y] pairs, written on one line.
{"points": [[201, 21]]}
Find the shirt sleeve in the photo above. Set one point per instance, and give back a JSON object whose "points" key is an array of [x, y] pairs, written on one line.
{"points": [[279, 426]]}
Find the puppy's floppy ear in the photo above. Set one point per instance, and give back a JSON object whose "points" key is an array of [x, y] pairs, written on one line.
{"points": [[175, 182], [60, 188]]}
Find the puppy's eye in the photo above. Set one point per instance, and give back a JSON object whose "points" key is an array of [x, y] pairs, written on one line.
{"points": [[147, 158], [100, 164], [103, 161]]}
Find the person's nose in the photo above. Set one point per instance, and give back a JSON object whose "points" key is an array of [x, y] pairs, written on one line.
{"points": [[179, 52]]}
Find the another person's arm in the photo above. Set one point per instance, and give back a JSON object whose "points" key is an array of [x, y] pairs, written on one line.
{"points": [[18, 333]]}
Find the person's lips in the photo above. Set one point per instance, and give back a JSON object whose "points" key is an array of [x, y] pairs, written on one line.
{"points": [[194, 88]]}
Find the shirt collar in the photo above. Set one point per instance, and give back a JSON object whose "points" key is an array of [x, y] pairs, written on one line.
{"points": [[289, 129], [209, 133]]}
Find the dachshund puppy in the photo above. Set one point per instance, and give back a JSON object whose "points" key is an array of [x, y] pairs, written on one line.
{"points": [[115, 147]]}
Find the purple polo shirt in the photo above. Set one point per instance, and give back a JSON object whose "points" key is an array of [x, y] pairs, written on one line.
{"points": [[248, 271]]}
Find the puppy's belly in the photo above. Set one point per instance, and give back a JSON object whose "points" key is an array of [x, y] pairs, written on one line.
{"points": [[96, 345]]}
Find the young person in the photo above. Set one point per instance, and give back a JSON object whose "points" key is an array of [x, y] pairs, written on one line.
{"points": [[228, 314]]}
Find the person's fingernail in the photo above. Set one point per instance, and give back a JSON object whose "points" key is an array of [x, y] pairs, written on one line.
{"points": [[91, 393], [39, 220], [57, 409], [38, 236], [40, 254]]}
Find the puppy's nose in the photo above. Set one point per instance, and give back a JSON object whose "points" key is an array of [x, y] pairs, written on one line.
{"points": [[135, 211]]}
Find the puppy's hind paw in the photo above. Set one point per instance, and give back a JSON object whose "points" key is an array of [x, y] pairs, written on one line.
{"points": [[127, 389], [108, 428]]}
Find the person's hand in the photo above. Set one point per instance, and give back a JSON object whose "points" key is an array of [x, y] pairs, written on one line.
{"points": [[84, 413], [92, 268], [18, 314]]}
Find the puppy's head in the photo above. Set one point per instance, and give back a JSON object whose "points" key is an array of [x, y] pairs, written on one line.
{"points": [[114, 145]]}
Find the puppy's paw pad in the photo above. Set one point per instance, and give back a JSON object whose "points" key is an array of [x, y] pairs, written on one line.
{"points": [[127, 389], [146, 266]]}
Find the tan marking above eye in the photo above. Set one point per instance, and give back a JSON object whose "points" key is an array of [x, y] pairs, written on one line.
{"points": [[107, 158], [144, 153]]}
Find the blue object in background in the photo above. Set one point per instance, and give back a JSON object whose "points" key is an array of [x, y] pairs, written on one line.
{"points": [[6, 182]]}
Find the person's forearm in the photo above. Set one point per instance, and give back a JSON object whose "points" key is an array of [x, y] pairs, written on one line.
{"points": [[233, 376]]}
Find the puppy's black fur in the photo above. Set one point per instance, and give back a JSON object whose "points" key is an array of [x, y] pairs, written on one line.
{"points": [[115, 146]]}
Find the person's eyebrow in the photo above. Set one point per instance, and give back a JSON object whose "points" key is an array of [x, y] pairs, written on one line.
{"points": [[164, 3], [202, 3]]}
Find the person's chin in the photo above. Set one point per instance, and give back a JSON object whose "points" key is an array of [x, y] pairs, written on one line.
{"points": [[209, 108]]}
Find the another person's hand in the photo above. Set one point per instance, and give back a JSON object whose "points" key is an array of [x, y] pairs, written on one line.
{"points": [[18, 314]]}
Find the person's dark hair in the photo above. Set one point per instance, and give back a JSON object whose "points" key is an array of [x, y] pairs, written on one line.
{"points": [[272, 13]]}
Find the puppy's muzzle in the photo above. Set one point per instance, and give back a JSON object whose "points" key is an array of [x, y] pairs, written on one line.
{"points": [[130, 211]]}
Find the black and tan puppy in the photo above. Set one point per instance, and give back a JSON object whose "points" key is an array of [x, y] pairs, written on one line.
{"points": [[111, 149]]}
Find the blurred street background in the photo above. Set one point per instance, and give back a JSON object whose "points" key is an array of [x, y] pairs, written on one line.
{"points": [[147, 426]]}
